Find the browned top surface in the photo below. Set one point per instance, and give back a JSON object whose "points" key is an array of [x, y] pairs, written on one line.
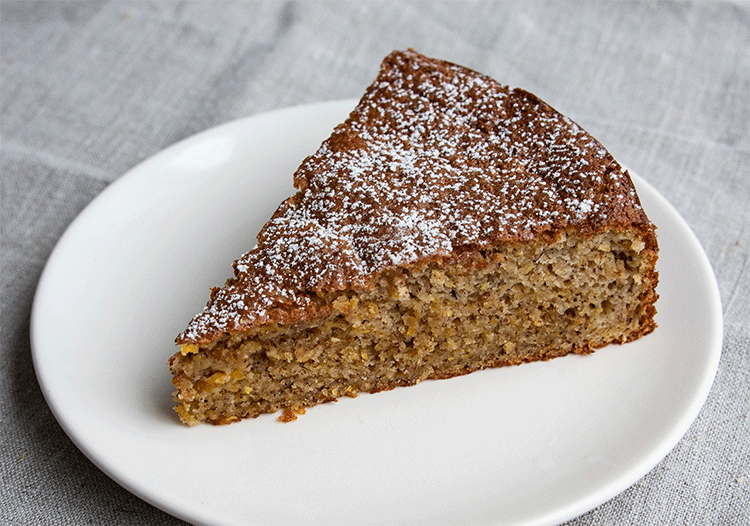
{"points": [[435, 159]]}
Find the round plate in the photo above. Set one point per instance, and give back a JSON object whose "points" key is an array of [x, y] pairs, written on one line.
{"points": [[536, 444]]}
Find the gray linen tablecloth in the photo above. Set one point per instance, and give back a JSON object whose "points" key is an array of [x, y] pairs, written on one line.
{"points": [[90, 89]]}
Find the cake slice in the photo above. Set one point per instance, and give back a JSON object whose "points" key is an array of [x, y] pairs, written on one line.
{"points": [[450, 224]]}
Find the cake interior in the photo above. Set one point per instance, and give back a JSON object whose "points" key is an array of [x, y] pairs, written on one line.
{"points": [[502, 305]]}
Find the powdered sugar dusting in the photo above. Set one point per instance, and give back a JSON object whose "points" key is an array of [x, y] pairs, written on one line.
{"points": [[434, 158]]}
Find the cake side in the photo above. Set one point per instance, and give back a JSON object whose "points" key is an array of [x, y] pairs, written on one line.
{"points": [[436, 159], [503, 305]]}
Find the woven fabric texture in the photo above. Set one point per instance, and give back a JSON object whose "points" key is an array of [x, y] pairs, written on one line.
{"points": [[90, 89]]}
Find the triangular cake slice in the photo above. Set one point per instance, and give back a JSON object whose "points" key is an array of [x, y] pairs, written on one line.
{"points": [[450, 224]]}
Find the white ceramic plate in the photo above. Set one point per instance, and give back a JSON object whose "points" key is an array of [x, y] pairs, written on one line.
{"points": [[536, 444]]}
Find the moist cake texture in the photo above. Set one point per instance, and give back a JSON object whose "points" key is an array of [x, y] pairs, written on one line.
{"points": [[450, 224]]}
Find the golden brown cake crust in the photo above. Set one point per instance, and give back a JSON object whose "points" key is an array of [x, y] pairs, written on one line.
{"points": [[434, 161]]}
